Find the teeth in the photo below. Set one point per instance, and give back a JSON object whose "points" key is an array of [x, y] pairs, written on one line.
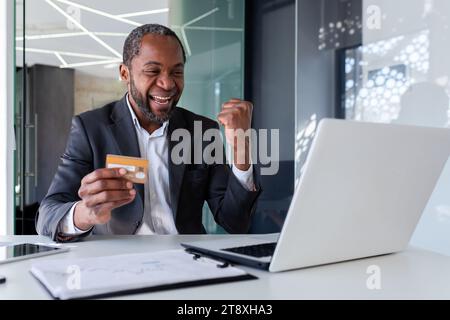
{"points": [[161, 98]]}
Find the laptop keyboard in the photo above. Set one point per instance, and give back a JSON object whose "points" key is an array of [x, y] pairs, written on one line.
{"points": [[258, 250]]}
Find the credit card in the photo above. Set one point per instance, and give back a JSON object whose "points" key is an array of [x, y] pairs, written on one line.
{"points": [[137, 168]]}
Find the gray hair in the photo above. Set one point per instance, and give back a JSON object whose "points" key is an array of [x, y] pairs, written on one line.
{"points": [[132, 43]]}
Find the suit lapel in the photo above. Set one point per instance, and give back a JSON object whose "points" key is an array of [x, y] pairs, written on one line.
{"points": [[124, 133], [176, 171]]}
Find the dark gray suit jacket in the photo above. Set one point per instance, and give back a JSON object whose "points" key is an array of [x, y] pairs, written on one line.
{"points": [[109, 130]]}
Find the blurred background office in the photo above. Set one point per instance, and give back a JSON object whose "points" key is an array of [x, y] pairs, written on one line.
{"points": [[297, 60]]}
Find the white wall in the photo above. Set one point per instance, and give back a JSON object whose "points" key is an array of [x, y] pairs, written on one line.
{"points": [[6, 116], [93, 92]]}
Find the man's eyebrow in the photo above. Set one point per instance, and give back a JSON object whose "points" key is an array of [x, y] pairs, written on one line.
{"points": [[152, 63], [181, 64]]}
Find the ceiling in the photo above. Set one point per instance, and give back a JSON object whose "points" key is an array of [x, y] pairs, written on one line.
{"points": [[85, 35]]}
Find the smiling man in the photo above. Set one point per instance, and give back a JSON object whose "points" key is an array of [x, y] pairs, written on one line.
{"points": [[86, 198]]}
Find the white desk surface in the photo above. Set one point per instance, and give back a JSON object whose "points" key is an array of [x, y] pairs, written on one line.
{"points": [[412, 274]]}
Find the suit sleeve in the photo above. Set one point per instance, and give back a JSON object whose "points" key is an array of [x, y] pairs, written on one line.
{"points": [[231, 203], [75, 163]]}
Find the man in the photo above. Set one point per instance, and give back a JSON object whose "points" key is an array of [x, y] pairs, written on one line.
{"points": [[86, 198]]}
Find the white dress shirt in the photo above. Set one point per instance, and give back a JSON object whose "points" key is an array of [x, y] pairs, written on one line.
{"points": [[157, 203]]}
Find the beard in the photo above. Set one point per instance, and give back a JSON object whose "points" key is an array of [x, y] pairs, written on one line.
{"points": [[145, 107]]}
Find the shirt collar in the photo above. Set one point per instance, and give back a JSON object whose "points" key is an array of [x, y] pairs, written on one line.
{"points": [[158, 132]]}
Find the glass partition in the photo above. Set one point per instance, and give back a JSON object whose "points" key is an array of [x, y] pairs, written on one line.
{"points": [[400, 73], [377, 61]]}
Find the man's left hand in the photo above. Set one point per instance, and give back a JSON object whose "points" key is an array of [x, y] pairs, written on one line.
{"points": [[237, 114]]}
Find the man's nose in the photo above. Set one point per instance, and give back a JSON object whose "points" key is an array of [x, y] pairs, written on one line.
{"points": [[165, 82]]}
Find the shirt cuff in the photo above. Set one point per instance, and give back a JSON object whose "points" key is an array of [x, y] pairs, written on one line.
{"points": [[67, 226], [245, 178]]}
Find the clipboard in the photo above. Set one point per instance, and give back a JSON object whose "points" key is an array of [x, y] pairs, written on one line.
{"points": [[132, 273]]}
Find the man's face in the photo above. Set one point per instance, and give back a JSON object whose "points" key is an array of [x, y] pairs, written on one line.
{"points": [[156, 77]]}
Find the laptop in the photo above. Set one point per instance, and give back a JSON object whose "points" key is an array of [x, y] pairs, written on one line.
{"points": [[362, 192]]}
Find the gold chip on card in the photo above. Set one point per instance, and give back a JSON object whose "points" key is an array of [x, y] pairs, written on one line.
{"points": [[137, 168]]}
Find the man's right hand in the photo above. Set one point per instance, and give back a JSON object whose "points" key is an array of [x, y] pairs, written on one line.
{"points": [[101, 191]]}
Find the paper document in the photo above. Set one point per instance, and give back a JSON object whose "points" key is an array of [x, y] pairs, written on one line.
{"points": [[87, 277]]}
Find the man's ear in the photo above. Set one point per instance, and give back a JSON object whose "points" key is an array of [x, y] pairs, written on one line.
{"points": [[124, 73]]}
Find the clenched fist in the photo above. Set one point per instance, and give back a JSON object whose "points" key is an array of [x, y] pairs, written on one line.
{"points": [[237, 114]]}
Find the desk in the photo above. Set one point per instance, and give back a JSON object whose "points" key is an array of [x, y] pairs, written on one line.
{"points": [[412, 274]]}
